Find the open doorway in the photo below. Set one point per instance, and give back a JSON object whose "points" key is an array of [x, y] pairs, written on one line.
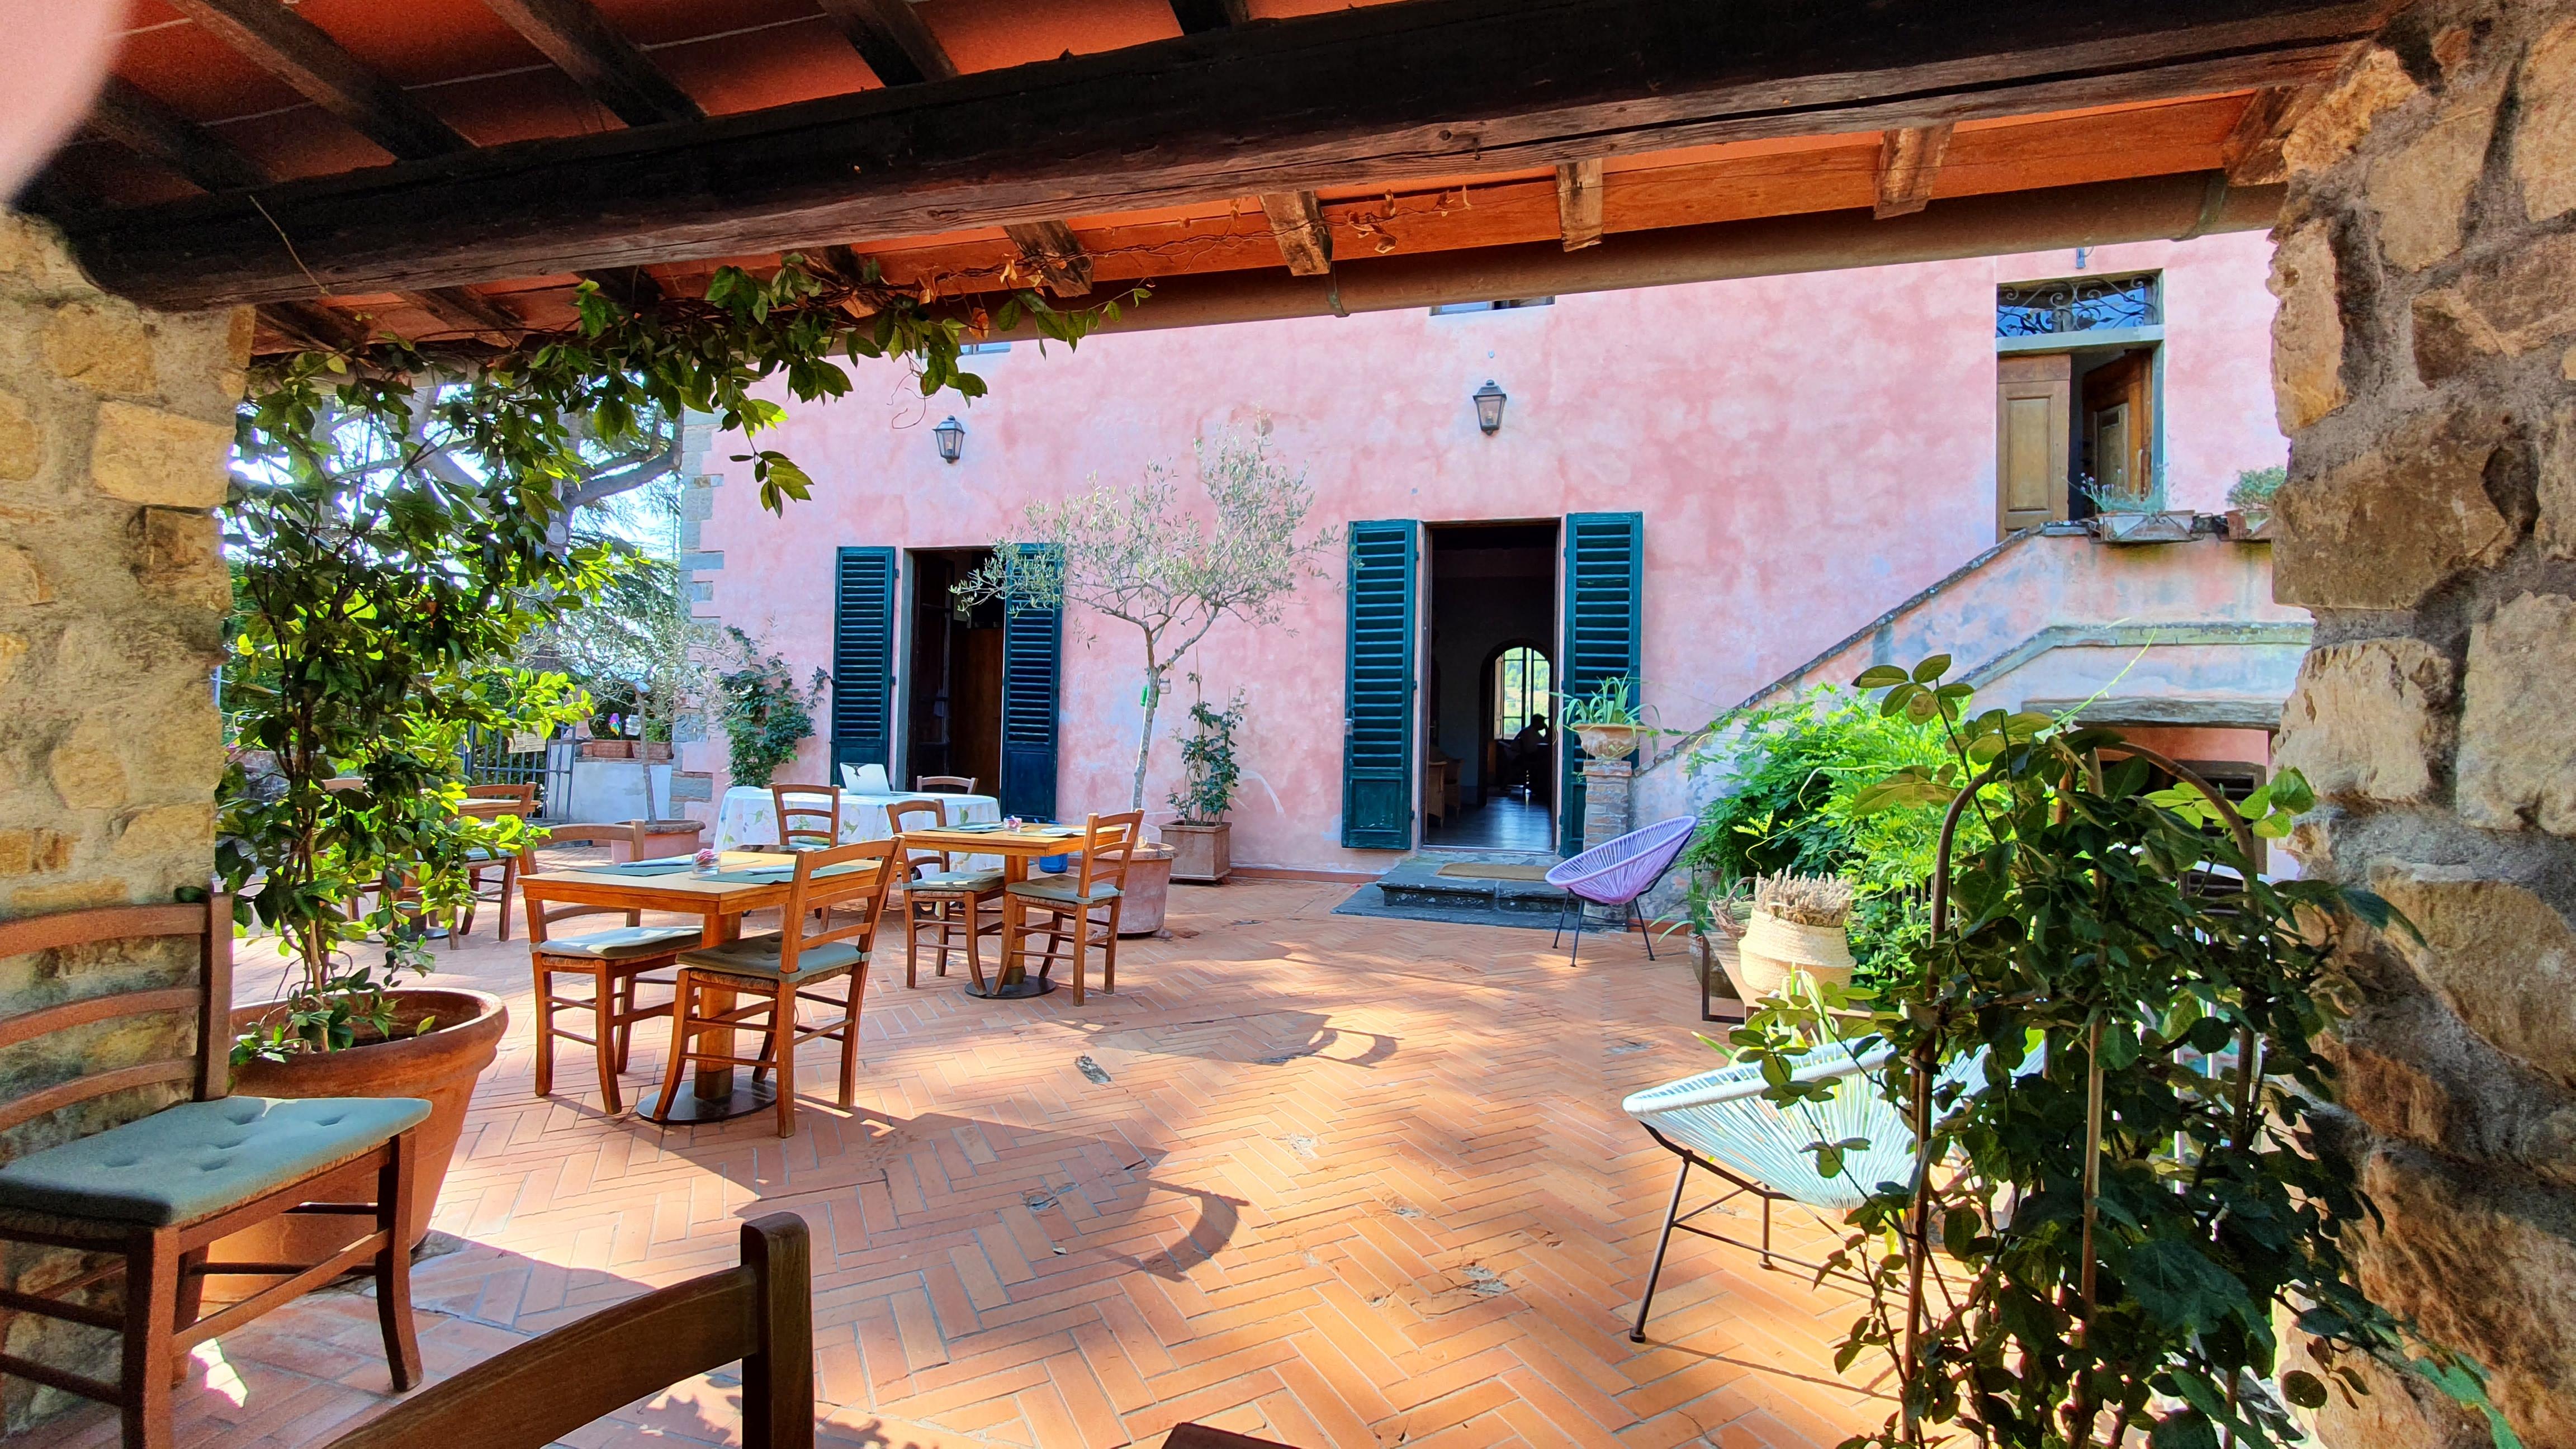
{"points": [[953, 713], [1489, 728]]}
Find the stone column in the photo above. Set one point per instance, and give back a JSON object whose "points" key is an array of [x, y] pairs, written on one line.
{"points": [[2423, 353], [1607, 788], [114, 426]]}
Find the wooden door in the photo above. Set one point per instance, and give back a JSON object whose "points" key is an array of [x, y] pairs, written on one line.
{"points": [[2120, 425], [2032, 392]]}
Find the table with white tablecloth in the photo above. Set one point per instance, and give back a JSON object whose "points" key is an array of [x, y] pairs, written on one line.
{"points": [[747, 818]]}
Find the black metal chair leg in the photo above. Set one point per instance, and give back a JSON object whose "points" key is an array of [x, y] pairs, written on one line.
{"points": [[1639, 916], [1671, 1215], [1556, 937]]}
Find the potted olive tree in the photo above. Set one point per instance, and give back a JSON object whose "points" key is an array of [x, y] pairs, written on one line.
{"points": [[1142, 556], [1200, 837]]}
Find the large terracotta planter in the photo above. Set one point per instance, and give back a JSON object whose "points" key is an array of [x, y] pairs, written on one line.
{"points": [[1609, 741], [1201, 854], [662, 840], [439, 1067], [1148, 889], [1771, 949]]}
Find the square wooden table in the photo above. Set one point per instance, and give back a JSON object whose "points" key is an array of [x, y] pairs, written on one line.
{"points": [[712, 1095], [1018, 849]]}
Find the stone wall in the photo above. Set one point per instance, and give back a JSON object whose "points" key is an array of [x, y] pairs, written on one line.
{"points": [[114, 424], [2427, 276]]}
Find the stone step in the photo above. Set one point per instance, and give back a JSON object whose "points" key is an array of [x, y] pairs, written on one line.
{"points": [[1417, 881]]}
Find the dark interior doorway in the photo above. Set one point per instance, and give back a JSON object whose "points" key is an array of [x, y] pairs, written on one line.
{"points": [[953, 717], [1488, 775]]}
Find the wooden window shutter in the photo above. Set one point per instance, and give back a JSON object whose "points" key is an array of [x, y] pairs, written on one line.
{"points": [[1032, 694], [862, 658], [1377, 700], [2032, 395], [1605, 561]]}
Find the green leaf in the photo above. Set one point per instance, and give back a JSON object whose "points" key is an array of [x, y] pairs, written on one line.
{"points": [[1931, 669], [1879, 676], [2178, 1287], [2304, 1389]]}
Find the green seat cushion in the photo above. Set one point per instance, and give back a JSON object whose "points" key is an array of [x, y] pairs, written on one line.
{"points": [[957, 880], [623, 943], [196, 1159], [758, 956], [1061, 892]]}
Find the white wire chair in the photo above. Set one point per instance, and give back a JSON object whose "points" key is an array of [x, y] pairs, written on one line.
{"points": [[1720, 1122]]}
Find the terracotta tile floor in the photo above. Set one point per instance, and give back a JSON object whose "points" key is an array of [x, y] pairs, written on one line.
{"points": [[1348, 1181]]}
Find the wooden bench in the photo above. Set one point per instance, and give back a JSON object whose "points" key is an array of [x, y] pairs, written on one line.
{"points": [[156, 1193]]}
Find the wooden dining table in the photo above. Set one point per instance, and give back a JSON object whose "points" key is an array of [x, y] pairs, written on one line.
{"points": [[720, 901], [1019, 849]]}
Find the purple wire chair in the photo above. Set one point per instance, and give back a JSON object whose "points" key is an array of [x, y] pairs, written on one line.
{"points": [[1616, 874]]}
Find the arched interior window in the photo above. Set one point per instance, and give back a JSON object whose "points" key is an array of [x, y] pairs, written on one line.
{"points": [[1523, 683]]}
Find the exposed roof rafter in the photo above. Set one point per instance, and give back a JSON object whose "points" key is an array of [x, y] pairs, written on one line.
{"points": [[305, 56], [1909, 162], [1297, 220], [1051, 248], [605, 64], [1578, 203], [892, 38], [143, 122]]}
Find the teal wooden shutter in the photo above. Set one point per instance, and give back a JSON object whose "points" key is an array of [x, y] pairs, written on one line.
{"points": [[1605, 558], [863, 658], [1032, 688], [1377, 707]]}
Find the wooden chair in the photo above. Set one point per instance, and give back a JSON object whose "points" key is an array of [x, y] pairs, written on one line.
{"points": [[613, 961], [946, 784], [1068, 908], [793, 832], [767, 976], [540, 1392], [943, 907], [522, 800], [155, 1193]]}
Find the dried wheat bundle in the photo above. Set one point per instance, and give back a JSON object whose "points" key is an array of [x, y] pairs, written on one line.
{"points": [[1804, 900]]}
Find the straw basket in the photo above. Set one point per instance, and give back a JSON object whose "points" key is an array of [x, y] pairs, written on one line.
{"points": [[1772, 948]]}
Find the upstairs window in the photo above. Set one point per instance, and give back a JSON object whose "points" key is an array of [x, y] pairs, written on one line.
{"points": [[1504, 304]]}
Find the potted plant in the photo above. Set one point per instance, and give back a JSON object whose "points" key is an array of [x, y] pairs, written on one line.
{"points": [[2249, 502], [2120, 516], [765, 716], [1606, 720], [1200, 837], [1798, 928], [1140, 556]]}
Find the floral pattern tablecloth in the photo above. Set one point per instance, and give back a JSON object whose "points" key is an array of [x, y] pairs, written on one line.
{"points": [[747, 817]]}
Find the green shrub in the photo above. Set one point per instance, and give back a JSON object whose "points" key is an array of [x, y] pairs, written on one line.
{"points": [[2255, 486]]}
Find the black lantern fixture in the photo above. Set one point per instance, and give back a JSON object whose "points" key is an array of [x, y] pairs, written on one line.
{"points": [[1489, 407], [952, 438]]}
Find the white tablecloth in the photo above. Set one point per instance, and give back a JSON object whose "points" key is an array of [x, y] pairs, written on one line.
{"points": [[747, 817]]}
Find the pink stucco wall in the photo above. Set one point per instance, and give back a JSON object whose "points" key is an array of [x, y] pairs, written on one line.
{"points": [[1807, 451]]}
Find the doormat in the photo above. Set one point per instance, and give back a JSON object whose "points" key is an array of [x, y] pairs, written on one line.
{"points": [[1483, 870]]}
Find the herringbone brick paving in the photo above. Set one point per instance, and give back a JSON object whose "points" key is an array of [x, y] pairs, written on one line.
{"points": [[1348, 1182]]}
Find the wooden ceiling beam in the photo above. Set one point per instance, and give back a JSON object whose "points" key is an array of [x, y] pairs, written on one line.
{"points": [[313, 326], [305, 56], [608, 67], [1578, 203], [1297, 220], [2253, 149], [892, 38], [143, 122], [1372, 95], [467, 310], [1052, 249], [1197, 17], [1909, 162]]}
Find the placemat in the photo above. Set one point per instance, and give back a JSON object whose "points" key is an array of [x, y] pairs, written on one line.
{"points": [[639, 867], [764, 875]]}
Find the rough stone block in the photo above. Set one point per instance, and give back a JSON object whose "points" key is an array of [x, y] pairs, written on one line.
{"points": [[13, 648], [2374, 83], [2399, 1411], [2370, 718], [169, 829], [2471, 1266], [2518, 718], [2556, 528], [21, 581], [2385, 529], [2500, 957], [22, 440], [178, 557], [2393, 1095], [2307, 330], [2421, 192], [70, 895], [145, 455], [2511, 305], [2544, 140], [106, 347], [29, 852], [86, 769]]}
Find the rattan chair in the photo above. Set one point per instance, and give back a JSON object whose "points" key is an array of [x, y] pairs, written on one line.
{"points": [[1077, 909], [947, 909]]}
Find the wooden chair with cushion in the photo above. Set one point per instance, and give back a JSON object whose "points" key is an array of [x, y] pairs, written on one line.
{"points": [[1077, 908], [802, 823], [944, 908], [765, 978], [155, 1193], [613, 961], [945, 784], [540, 1392], [519, 800]]}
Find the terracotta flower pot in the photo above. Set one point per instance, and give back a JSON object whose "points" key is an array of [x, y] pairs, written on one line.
{"points": [[1773, 948], [439, 1067], [608, 749], [1148, 890], [662, 840], [1609, 741], [1203, 854], [2249, 525]]}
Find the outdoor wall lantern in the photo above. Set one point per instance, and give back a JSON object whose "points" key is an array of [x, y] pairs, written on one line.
{"points": [[952, 438], [1489, 407]]}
